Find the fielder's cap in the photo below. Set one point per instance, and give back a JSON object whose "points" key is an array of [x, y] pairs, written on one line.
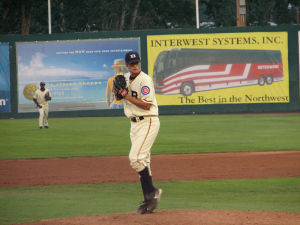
{"points": [[132, 57], [42, 83], [118, 63]]}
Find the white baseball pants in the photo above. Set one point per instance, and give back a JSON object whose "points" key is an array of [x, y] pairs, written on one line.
{"points": [[142, 134]]}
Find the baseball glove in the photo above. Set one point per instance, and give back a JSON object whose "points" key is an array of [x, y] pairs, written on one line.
{"points": [[47, 96], [119, 87]]}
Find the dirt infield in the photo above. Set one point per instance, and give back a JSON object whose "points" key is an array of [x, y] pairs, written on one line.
{"points": [[182, 217], [165, 167]]}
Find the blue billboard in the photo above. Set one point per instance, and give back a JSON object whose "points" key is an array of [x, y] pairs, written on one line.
{"points": [[5, 102], [75, 72]]}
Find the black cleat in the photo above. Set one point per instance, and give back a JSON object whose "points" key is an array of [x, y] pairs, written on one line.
{"points": [[151, 202], [142, 209]]}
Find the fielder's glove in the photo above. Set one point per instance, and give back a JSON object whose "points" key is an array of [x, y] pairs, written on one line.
{"points": [[119, 87], [47, 97]]}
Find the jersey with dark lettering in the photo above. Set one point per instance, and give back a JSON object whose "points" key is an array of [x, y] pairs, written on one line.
{"points": [[142, 88]]}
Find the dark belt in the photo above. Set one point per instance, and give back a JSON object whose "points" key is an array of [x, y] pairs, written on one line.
{"points": [[136, 119]]}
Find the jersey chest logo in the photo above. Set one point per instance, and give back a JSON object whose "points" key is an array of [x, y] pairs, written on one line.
{"points": [[145, 90]]}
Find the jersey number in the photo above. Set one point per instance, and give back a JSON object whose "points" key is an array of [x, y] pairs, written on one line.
{"points": [[134, 94]]}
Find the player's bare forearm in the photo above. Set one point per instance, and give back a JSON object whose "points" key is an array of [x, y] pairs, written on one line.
{"points": [[138, 102], [36, 102]]}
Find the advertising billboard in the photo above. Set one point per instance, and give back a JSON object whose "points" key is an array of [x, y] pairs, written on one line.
{"points": [[223, 68], [5, 100], [75, 72]]}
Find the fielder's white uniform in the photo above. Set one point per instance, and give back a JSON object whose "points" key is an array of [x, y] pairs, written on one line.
{"points": [[40, 97], [143, 132]]}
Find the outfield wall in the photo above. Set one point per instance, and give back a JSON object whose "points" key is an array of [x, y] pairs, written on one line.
{"points": [[76, 68]]}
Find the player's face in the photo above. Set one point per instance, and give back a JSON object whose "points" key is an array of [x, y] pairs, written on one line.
{"points": [[134, 68], [42, 86]]}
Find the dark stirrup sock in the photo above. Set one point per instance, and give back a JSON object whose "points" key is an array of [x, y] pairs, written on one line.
{"points": [[146, 181]]}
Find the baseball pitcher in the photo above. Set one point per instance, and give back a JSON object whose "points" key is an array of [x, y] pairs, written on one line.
{"points": [[140, 106]]}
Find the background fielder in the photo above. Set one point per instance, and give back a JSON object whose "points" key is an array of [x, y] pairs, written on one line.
{"points": [[141, 107], [41, 98]]}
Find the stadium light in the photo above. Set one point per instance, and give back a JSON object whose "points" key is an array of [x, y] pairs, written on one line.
{"points": [[49, 16], [241, 13], [197, 13]]}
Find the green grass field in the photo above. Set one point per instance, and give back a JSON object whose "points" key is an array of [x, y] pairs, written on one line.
{"points": [[103, 136], [24, 204]]}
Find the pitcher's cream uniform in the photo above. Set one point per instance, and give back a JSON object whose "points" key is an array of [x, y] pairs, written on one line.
{"points": [[40, 97], [144, 123]]}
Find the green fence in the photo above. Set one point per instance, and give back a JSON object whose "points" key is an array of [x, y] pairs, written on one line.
{"points": [[293, 105]]}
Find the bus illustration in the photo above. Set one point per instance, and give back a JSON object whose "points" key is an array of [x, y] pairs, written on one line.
{"points": [[185, 71]]}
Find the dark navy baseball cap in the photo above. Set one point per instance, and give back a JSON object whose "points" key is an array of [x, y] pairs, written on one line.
{"points": [[132, 57]]}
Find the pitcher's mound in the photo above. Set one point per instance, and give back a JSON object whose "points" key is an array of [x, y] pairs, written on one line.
{"points": [[182, 217]]}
